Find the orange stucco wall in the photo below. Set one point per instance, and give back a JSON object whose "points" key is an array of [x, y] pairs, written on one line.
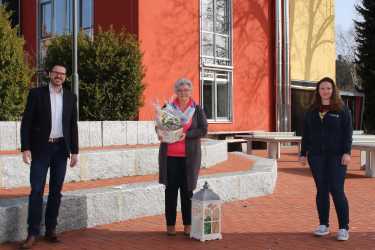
{"points": [[169, 38], [169, 35], [253, 49]]}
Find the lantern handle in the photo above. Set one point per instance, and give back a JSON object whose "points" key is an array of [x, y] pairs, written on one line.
{"points": [[205, 186]]}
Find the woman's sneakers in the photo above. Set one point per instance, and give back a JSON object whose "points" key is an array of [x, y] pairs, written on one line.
{"points": [[321, 230], [342, 234]]}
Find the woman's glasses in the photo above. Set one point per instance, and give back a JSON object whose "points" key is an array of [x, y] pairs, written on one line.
{"points": [[183, 90]]}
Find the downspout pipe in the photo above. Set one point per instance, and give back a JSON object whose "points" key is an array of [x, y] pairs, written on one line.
{"points": [[75, 54], [278, 65], [286, 69], [37, 47]]}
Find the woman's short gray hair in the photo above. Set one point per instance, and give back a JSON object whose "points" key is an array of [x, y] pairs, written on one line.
{"points": [[182, 81]]}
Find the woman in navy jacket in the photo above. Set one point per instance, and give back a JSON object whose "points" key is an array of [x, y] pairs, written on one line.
{"points": [[326, 144]]}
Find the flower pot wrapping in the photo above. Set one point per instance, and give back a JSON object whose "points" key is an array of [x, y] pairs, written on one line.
{"points": [[169, 125], [170, 136]]}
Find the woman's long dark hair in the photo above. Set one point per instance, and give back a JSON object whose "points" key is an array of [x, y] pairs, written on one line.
{"points": [[336, 102]]}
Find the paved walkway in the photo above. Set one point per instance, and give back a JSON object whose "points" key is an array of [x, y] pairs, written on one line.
{"points": [[283, 220]]}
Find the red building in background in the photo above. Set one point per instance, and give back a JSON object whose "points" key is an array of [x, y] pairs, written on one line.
{"points": [[226, 47]]}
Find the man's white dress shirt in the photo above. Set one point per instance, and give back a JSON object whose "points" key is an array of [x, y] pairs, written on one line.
{"points": [[56, 112]]}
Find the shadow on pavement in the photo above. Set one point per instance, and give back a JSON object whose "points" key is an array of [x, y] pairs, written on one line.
{"points": [[154, 240]]}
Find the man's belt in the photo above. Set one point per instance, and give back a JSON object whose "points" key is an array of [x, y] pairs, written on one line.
{"points": [[55, 140]]}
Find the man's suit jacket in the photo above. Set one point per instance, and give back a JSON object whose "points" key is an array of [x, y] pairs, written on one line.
{"points": [[36, 121]]}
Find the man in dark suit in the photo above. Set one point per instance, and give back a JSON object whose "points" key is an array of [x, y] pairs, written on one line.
{"points": [[49, 136]]}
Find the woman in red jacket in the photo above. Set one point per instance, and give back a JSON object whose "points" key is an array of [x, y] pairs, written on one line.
{"points": [[179, 162]]}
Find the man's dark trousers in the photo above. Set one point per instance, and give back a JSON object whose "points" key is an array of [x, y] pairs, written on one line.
{"points": [[54, 156]]}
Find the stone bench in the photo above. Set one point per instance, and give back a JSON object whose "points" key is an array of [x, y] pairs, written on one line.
{"points": [[232, 132], [368, 159], [274, 140], [107, 163], [363, 138], [263, 137], [92, 207], [358, 132], [234, 144], [273, 143]]}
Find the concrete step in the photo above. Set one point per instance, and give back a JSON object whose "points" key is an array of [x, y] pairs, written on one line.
{"points": [[108, 162], [103, 205]]}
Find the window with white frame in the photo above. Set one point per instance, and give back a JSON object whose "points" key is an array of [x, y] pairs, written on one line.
{"points": [[55, 18], [216, 59]]}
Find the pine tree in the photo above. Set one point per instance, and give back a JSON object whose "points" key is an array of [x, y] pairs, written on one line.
{"points": [[365, 57], [15, 74]]}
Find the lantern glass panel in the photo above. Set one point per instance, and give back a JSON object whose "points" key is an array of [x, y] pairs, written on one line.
{"points": [[196, 210], [207, 220], [216, 227], [216, 213]]}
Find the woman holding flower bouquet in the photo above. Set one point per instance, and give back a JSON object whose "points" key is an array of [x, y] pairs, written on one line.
{"points": [[180, 160]]}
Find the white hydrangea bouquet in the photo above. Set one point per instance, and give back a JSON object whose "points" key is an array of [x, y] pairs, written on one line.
{"points": [[168, 123]]}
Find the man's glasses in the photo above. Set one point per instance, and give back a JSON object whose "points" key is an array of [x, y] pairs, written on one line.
{"points": [[58, 73]]}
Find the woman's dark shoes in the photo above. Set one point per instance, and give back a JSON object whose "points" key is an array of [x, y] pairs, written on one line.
{"points": [[51, 236], [171, 231], [187, 229], [29, 242]]}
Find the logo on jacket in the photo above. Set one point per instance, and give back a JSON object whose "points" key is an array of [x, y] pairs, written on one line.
{"points": [[334, 115]]}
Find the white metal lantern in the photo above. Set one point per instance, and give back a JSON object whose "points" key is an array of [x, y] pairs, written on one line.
{"points": [[206, 215]]}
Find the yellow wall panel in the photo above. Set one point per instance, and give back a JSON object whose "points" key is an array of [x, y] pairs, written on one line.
{"points": [[312, 39]]}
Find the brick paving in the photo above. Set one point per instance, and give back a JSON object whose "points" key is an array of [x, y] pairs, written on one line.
{"points": [[283, 220]]}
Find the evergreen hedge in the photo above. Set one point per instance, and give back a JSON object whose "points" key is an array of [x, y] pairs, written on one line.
{"points": [[110, 72], [15, 74], [365, 38]]}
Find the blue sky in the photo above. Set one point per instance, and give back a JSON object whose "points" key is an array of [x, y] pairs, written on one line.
{"points": [[345, 13]]}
